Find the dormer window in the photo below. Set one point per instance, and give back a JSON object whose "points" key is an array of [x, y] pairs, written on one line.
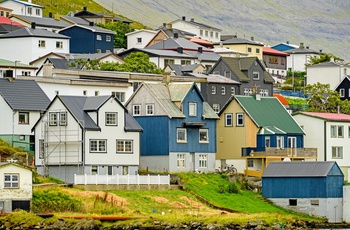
{"points": [[111, 118], [139, 40], [255, 75], [192, 109]]}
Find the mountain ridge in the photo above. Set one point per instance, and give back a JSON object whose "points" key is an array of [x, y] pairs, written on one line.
{"points": [[321, 25]]}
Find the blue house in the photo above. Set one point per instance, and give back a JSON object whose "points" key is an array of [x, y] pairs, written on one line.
{"points": [[314, 188], [89, 39], [179, 127]]}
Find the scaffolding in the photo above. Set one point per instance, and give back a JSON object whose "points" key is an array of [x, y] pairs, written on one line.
{"points": [[61, 143]]}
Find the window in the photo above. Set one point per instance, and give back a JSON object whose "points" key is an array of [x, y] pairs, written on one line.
{"points": [[211, 34], [264, 92], [337, 152], [168, 61], [108, 38], [267, 141], [337, 131], [282, 60], [223, 90], [257, 50], [228, 119], [94, 169], [280, 142], [98, 51], [203, 160], [97, 93], [206, 33], [11, 180], [181, 160], [315, 202], [293, 202], [63, 118], [192, 109], [23, 118], [53, 119], [29, 10], [41, 43], [342, 92], [201, 32], [84, 92], [216, 108], [247, 91], [250, 163], [255, 75], [119, 95], [273, 60], [203, 136], [124, 146], [99, 37], [348, 131], [98, 146], [185, 62], [111, 118], [213, 89], [181, 135], [249, 49], [149, 109], [25, 73], [136, 110], [37, 11], [138, 40], [227, 74], [240, 119], [233, 91], [216, 35], [59, 45]]}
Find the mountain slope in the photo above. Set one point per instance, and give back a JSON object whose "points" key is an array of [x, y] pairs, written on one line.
{"points": [[321, 25]]}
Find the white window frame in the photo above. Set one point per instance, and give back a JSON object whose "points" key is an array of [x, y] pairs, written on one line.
{"points": [[11, 180], [101, 146], [192, 109], [203, 161], [37, 12], [136, 110], [59, 45], [98, 37], [233, 90], [149, 109], [108, 38], [205, 138], [267, 142], [223, 90], [63, 118], [139, 40], [280, 142], [213, 89], [181, 160], [41, 43], [239, 119], [342, 92], [26, 118], [337, 152], [119, 95], [229, 117], [125, 146], [111, 118], [53, 119], [256, 75], [94, 170], [337, 131], [179, 133], [216, 107]]}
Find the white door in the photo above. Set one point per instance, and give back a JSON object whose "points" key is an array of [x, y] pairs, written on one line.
{"points": [[292, 145]]}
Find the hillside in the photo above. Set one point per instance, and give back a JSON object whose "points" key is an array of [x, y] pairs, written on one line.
{"points": [[318, 24]]}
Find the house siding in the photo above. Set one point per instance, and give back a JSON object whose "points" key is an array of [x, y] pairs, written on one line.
{"points": [[345, 85]]}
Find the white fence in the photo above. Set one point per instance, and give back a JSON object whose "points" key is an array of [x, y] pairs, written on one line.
{"points": [[122, 179]]}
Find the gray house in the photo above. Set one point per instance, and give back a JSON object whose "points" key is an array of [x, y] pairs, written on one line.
{"points": [[314, 188], [248, 71]]}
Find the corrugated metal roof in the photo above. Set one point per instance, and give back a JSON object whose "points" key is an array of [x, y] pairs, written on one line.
{"points": [[281, 98], [268, 111], [42, 21], [77, 20], [328, 116], [269, 50], [23, 95], [131, 125], [208, 112], [301, 51], [29, 32], [204, 56], [174, 43], [298, 169], [179, 91], [17, 64], [271, 130], [241, 41]]}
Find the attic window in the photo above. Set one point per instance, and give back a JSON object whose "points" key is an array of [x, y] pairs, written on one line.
{"points": [[255, 75], [11, 180], [139, 40]]}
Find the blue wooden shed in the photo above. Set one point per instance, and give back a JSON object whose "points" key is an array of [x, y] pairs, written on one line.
{"points": [[315, 188]]}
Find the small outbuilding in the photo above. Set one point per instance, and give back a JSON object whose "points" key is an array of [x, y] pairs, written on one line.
{"points": [[15, 187], [314, 188]]}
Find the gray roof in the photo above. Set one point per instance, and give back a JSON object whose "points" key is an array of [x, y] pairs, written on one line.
{"points": [[170, 32], [216, 78], [60, 63], [158, 53], [43, 21], [174, 43], [29, 32], [301, 51], [5, 28], [240, 41], [80, 105], [299, 169], [25, 95], [198, 24], [176, 68], [28, 3], [76, 20], [94, 29], [204, 56], [329, 64]]}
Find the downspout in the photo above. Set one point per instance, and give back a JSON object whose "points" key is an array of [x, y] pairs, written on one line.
{"points": [[83, 148], [13, 127], [325, 140]]}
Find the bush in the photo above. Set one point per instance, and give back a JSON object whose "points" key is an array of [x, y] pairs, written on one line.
{"points": [[233, 188], [221, 188]]}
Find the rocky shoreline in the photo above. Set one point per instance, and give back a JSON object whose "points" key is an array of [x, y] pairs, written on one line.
{"points": [[89, 224]]}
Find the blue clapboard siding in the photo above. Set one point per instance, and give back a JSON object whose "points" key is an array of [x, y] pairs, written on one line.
{"points": [[154, 139]]}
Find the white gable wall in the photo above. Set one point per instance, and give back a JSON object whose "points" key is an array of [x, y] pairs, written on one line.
{"points": [[297, 61], [145, 36], [185, 26], [331, 75], [21, 9]]}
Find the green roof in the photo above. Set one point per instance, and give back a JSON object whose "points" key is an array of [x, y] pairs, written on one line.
{"points": [[7, 63], [270, 114]]}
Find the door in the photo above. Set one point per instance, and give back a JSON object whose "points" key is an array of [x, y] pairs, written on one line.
{"points": [[292, 146]]}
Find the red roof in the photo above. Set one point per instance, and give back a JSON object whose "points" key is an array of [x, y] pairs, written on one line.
{"points": [[268, 50], [281, 99], [7, 21], [329, 116], [4, 8], [201, 42]]}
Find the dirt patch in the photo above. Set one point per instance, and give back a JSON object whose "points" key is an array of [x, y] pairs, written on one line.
{"points": [[160, 199], [192, 203], [106, 197]]}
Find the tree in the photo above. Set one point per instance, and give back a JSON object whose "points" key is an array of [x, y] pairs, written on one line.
{"points": [[121, 29], [326, 57]]}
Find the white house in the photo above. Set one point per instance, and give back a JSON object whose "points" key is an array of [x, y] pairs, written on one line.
{"points": [[21, 102], [330, 132], [86, 135], [299, 57], [140, 38], [330, 73], [23, 7], [27, 44], [201, 30], [15, 187], [14, 68]]}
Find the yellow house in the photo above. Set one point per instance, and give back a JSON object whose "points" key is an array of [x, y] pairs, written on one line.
{"points": [[250, 47]]}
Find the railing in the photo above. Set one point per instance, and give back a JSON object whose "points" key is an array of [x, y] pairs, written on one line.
{"points": [[122, 179], [286, 152]]}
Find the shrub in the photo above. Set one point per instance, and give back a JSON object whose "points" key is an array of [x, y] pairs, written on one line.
{"points": [[232, 188], [221, 188]]}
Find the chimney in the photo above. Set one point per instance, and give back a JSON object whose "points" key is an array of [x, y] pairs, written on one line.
{"points": [[50, 15], [169, 26], [192, 19], [176, 35], [257, 97], [183, 18], [200, 49], [252, 38], [301, 45], [221, 45], [164, 24], [91, 24], [320, 51], [166, 78], [307, 47], [180, 50], [47, 70], [84, 8], [33, 25], [287, 42]]}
